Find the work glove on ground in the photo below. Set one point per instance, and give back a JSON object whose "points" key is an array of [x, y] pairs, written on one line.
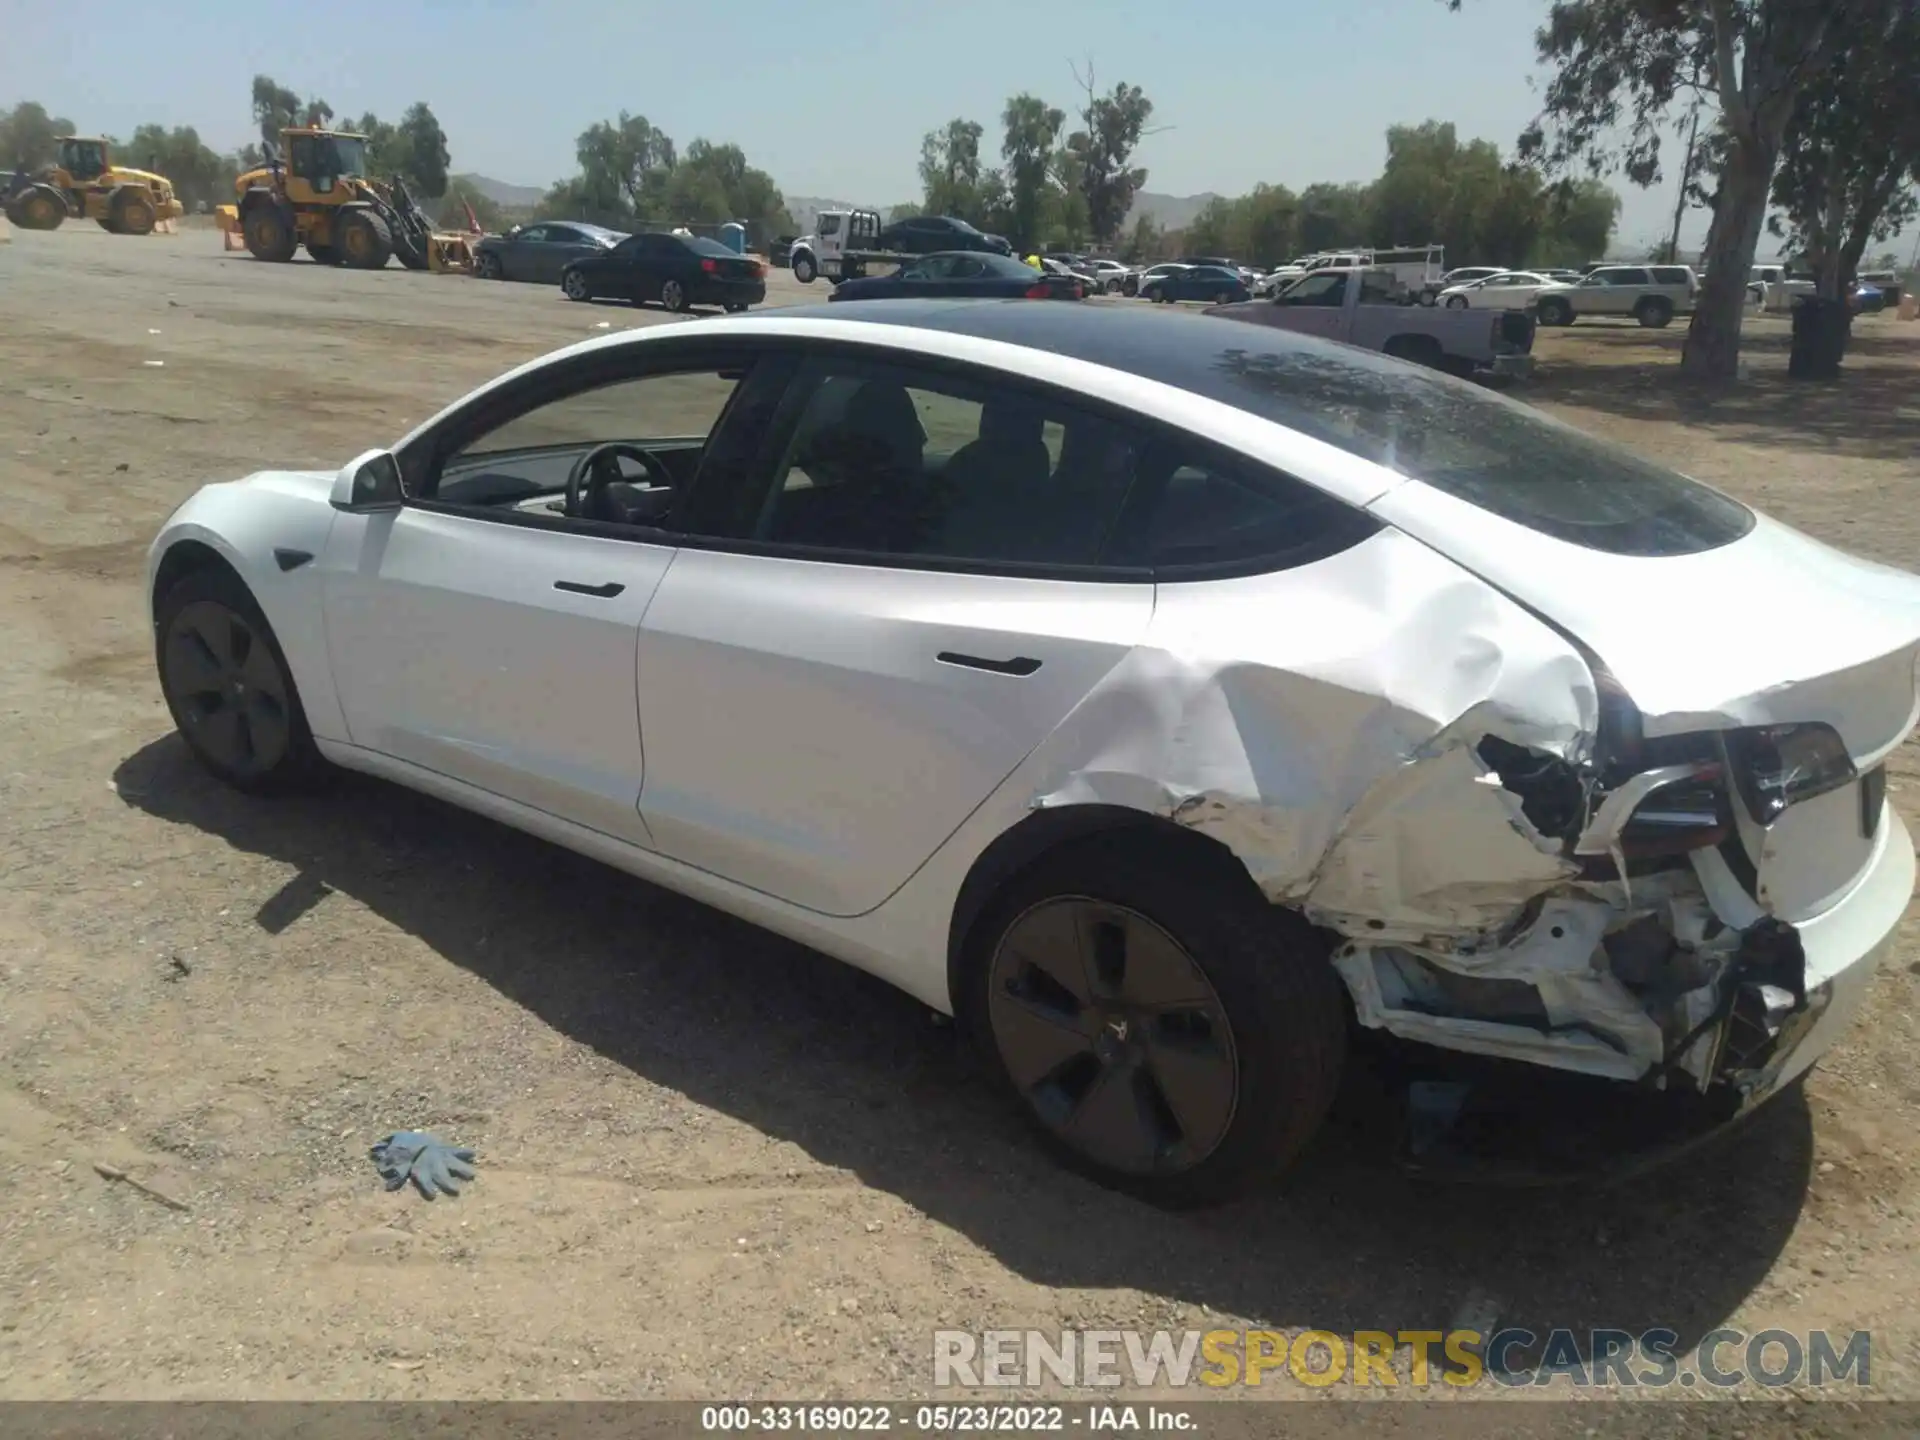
{"points": [[428, 1161]]}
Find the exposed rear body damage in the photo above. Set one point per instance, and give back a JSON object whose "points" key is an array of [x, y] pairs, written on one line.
{"points": [[1522, 861]]}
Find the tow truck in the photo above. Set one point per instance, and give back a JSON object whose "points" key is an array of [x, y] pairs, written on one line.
{"points": [[845, 242]]}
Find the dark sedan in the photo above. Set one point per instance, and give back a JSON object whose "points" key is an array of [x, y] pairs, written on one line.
{"points": [[540, 252], [675, 270], [962, 274], [937, 234], [1215, 284]]}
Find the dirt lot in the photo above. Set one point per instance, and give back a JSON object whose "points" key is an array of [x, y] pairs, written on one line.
{"points": [[713, 1164]]}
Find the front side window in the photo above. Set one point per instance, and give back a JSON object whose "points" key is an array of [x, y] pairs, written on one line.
{"points": [[1327, 288], [829, 225], [660, 425]]}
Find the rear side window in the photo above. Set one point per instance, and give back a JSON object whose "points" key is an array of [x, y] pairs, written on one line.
{"points": [[1670, 275], [1483, 448]]}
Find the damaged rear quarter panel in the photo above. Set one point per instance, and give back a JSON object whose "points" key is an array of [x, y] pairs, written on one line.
{"points": [[1321, 722]]}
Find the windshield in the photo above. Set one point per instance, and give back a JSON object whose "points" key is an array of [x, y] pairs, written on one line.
{"points": [[349, 156]]}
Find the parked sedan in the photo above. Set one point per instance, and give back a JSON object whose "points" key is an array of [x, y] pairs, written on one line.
{"points": [[1160, 696], [1508, 290], [931, 234], [540, 252], [964, 274], [1215, 284], [1130, 284], [675, 270]]}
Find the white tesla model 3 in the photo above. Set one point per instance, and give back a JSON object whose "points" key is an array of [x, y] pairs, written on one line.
{"points": [[1160, 695]]}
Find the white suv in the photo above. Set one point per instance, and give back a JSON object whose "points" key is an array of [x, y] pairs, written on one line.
{"points": [[1652, 294]]}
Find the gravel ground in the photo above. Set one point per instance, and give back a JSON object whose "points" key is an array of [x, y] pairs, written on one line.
{"points": [[714, 1164]]}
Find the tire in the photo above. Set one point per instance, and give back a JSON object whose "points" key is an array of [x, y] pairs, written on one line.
{"points": [[1225, 297], [228, 687], [673, 296], [1456, 302], [132, 210], [574, 286], [38, 207], [1554, 311], [1653, 313], [736, 307], [1112, 287], [1260, 1048], [804, 268], [1416, 350], [322, 254], [486, 266], [106, 224], [268, 229], [365, 242]]}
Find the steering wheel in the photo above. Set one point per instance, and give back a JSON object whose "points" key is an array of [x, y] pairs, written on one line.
{"points": [[600, 468]]}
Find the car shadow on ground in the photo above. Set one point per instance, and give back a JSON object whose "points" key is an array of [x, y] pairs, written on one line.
{"points": [[811, 1052], [1873, 409]]}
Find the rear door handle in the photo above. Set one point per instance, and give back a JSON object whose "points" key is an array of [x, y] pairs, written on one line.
{"points": [[1018, 665], [603, 592]]}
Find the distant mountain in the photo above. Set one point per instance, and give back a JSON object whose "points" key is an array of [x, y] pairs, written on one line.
{"points": [[1169, 212], [513, 197], [803, 209]]}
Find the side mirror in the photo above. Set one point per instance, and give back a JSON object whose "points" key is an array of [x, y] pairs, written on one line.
{"points": [[368, 484], [515, 230]]}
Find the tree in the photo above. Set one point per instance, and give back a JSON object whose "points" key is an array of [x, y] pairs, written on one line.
{"points": [[1621, 66], [1032, 130], [951, 177], [1145, 243], [1331, 216], [275, 108], [1851, 156], [29, 137], [1111, 127], [418, 152], [714, 183], [463, 195], [199, 175], [625, 165]]}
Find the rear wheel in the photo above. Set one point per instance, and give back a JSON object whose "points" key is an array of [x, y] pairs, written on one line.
{"points": [[269, 232], [673, 296], [735, 307], [38, 207], [1416, 349], [228, 687], [1166, 1030], [132, 210], [365, 242], [574, 286], [1654, 313]]}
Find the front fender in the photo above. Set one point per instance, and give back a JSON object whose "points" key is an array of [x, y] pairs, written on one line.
{"points": [[260, 527]]}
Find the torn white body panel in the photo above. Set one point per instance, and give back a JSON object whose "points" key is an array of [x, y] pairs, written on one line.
{"points": [[1320, 722], [1787, 629]]}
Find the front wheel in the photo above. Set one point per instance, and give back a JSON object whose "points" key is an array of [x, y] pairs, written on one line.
{"points": [[228, 687], [574, 286], [486, 266], [1166, 1030], [1456, 302], [804, 270], [1555, 312]]}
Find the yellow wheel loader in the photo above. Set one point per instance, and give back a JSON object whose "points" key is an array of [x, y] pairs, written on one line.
{"points": [[85, 184], [319, 196]]}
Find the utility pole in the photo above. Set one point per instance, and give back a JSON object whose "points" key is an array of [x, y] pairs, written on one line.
{"points": [[1680, 201]]}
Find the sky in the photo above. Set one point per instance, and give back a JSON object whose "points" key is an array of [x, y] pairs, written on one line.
{"points": [[829, 96]]}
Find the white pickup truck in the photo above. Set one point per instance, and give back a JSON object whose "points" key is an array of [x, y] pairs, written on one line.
{"points": [[1369, 308]]}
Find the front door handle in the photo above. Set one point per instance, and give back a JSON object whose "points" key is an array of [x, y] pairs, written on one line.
{"points": [[603, 592], [1018, 665]]}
